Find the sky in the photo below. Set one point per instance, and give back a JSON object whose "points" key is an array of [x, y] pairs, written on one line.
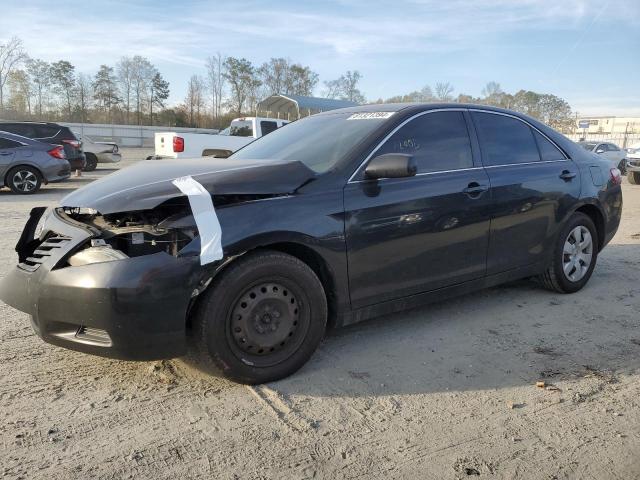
{"points": [[585, 51]]}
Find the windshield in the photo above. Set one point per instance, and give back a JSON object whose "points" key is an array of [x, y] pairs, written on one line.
{"points": [[589, 146], [319, 141], [241, 128]]}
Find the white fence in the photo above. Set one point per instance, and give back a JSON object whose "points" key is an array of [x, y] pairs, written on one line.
{"points": [[127, 135]]}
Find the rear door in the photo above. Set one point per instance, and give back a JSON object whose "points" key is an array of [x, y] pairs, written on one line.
{"points": [[533, 186], [7, 154], [411, 235]]}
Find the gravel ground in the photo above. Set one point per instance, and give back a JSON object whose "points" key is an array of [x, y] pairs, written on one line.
{"points": [[446, 391]]}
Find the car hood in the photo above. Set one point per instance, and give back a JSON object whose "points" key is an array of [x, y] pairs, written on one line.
{"points": [[148, 183]]}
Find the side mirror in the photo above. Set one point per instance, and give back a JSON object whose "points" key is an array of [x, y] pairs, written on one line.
{"points": [[599, 150], [391, 165]]}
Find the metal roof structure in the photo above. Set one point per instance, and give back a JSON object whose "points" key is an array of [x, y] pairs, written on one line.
{"points": [[293, 107]]}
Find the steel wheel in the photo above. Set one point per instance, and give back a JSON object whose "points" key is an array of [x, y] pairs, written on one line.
{"points": [[268, 322], [25, 181], [577, 253]]}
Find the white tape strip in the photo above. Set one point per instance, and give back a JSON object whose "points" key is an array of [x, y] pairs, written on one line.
{"points": [[205, 217]]}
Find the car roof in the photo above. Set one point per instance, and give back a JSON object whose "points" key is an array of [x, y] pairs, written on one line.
{"points": [[417, 107], [26, 122]]}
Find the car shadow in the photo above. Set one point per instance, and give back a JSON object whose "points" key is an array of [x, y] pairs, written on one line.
{"points": [[511, 335]]}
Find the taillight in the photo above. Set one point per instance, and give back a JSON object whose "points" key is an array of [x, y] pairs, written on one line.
{"points": [[616, 176], [58, 152], [178, 144], [73, 143]]}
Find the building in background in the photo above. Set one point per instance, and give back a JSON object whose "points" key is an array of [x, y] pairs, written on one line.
{"points": [[609, 124]]}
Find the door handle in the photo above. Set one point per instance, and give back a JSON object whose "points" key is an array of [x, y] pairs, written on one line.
{"points": [[4, 154], [475, 189], [566, 175]]}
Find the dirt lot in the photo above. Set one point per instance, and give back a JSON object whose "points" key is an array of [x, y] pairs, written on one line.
{"points": [[447, 391]]}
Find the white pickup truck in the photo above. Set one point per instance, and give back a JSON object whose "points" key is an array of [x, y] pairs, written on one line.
{"points": [[189, 145]]}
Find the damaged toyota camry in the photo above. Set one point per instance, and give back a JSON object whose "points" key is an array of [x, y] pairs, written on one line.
{"points": [[335, 218]]}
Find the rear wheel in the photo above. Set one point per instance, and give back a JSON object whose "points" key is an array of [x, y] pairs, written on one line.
{"points": [[634, 178], [263, 318], [574, 256], [24, 180], [92, 163]]}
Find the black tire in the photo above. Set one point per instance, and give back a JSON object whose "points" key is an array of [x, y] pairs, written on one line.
{"points": [[285, 319], [554, 277], [92, 163], [634, 178], [622, 166], [24, 180]]}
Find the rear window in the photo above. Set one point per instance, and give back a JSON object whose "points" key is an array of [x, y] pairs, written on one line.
{"points": [[66, 134], [46, 131], [267, 127], [241, 128]]}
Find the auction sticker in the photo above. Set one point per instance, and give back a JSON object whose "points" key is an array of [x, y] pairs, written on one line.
{"points": [[370, 115]]}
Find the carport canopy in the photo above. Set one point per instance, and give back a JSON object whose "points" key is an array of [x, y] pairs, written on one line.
{"points": [[292, 107]]}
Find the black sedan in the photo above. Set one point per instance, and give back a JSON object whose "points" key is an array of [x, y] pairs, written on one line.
{"points": [[332, 219]]}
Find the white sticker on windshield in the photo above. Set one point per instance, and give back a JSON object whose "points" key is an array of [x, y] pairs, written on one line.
{"points": [[206, 219], [370, 115]]}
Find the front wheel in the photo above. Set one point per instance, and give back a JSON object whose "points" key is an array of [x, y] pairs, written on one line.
{"points": [[634, 178], [574, 256], [263, 317]]}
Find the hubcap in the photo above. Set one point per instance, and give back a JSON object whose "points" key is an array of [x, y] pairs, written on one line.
{"points": [[577, 253], [266, 320], [25, 181]]}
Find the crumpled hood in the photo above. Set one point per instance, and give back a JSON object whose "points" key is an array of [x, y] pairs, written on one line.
{"points": [[146, 184]]}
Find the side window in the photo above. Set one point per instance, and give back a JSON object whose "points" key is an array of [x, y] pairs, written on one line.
{"points": [[6, 143], [548, 151], [612, 147], [268, 127], [438, 141], [504, 140], [24, 129]]}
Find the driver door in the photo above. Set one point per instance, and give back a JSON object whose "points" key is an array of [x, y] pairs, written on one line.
{"points": [[411, 235]]}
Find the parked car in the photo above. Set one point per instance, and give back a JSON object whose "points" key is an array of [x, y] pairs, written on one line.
{"points": [[615, 154], [241, 132], [633, 164], [26, 164], [50, 133], [338, 217], [98, 152]]}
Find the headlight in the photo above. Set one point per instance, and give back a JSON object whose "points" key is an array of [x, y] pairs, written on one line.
{"points": [[632, 150], [96, 255], [40, 226]]}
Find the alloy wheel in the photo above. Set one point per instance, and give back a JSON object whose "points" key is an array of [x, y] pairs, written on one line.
{"points": [[25, 181]]}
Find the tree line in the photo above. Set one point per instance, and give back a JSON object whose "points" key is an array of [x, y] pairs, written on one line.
{"points": [[133, 91]]}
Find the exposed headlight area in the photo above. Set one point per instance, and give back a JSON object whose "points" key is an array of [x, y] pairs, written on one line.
{"points": [[117, 236]]}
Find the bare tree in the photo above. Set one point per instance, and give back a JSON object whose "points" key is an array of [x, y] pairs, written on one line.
{"points": [[493, 94], [215, 82], [275, 75], [105, 90], [19, 92], [12, 54], [40, 78], [194, 101], [124, 70], [444, 91], [84, 94], [142, 72], [64, 81], [345, 87], [244, 82]]}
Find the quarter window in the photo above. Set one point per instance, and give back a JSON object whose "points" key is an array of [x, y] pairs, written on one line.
{"points": [[548, 151], [504, 140], [6, 143], [268, 127], [437, 141]]}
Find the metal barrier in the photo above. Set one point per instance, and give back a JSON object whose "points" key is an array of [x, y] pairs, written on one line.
{"points": [[128, 135]]}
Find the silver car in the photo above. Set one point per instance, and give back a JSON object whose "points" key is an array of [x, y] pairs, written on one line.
{"points": [[26, 164], [98, 152], [608, 150]]}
